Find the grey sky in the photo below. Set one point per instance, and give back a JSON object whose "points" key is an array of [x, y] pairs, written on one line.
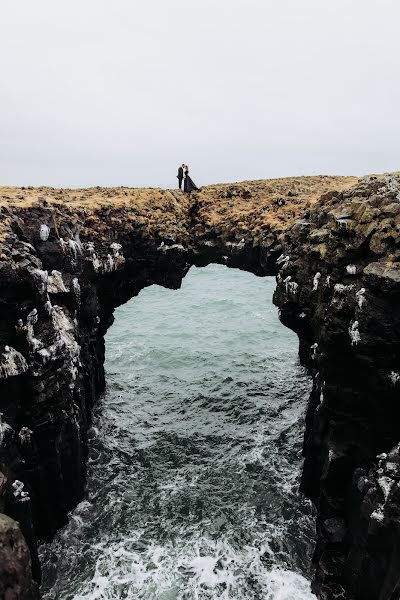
{"points": [[119, 92]]}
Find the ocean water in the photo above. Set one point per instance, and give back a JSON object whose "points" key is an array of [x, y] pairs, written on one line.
{"points": [[195, 454]]}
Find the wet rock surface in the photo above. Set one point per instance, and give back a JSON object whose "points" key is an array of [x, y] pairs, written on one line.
{"points": [[339, 290], [15, 565], [69, 258]]}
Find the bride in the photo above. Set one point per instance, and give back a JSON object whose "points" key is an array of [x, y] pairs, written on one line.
{"points": [[188, 184]]}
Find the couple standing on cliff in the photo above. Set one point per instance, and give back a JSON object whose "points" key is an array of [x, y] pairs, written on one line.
{"points": [[188, 183]]}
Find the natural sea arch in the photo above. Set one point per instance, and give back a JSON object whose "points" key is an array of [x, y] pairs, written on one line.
{"points": [[195, 452], [86, 252]]}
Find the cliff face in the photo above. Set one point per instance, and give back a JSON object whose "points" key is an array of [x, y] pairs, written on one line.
{"points": [[338, 288], [64, 270], [69, 257]]}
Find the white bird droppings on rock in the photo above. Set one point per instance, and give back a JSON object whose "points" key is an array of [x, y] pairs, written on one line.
{"points": [[354, 333], [115, 247], [65, 329], [18, 492], [109, 264], [75, 248], [351, 270], [44, 232], [4, 429], [286, 281], [97, 264], [32, 317], [164, 248], [341, 289], [76, 287], [377, 515], [237, 245], [360, 297], [316, 279], [386, 484], [342, 223], [48, 307], [282, 259], [44, 354], [55, 283]]}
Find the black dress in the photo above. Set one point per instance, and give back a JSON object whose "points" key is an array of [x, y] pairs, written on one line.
{"points": [[189, 185]]}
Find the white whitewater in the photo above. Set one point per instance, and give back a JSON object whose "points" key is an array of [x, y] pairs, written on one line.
{"points": [[195, 454]]}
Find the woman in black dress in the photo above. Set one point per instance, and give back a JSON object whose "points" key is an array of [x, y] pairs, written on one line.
{"points": [[188, 184]]}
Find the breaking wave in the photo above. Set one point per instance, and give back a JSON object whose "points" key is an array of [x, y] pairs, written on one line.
{"points": [[195, 454]]}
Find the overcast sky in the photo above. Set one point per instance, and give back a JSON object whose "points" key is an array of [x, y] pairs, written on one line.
{"points": [[119, 92]]}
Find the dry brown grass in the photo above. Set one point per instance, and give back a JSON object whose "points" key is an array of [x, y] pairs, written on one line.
{"points": [[252, 208], [249, 209]]}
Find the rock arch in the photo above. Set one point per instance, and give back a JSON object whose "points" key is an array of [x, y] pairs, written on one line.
{"points": [[68, 262]]}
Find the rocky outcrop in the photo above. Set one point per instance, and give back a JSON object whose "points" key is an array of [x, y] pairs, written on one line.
{"points": [[68, 258], [15, 565], [338, 288], [60, 281]]}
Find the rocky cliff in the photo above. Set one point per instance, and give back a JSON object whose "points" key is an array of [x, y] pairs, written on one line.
{"points": [[15, 563], [338, 288], [68, 258]]}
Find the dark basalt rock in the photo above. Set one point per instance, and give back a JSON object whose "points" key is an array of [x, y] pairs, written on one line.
{"points": [[339, 291], [62, 274], [15, 568], [58, 303]]}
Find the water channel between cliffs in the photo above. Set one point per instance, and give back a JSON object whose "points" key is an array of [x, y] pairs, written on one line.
{"points": [[195, 454]]}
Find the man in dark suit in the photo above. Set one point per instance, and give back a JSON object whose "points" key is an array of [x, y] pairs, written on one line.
{"points": [[180, 176]]}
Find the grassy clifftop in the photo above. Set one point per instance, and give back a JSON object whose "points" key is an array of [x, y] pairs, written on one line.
{"points": [[249, 208]]}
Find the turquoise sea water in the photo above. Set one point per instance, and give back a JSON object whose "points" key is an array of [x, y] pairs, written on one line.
{"points": [[196, 453]]}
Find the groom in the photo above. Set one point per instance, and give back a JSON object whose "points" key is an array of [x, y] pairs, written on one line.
{"points": [[180, 175]]}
